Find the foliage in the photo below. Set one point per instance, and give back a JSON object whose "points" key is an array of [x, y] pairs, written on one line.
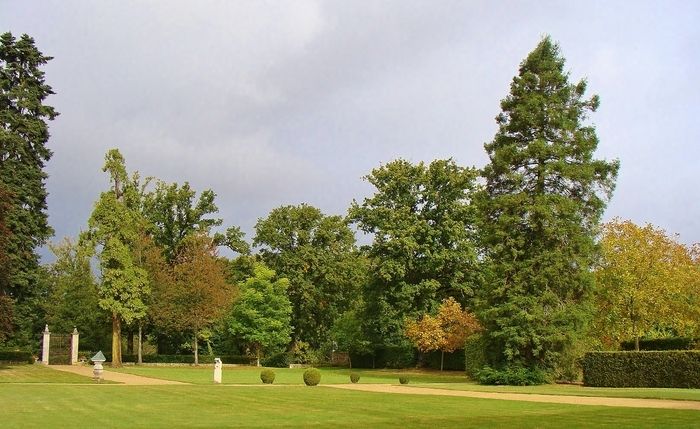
{"points": [[646, 279], [354, 377], [475, 355], [73, 297], [301, 352], [421, 221], [347, 331], [261, 315], [6, 317], [115, 229], [403, 356], [317, 254], [404, 379], [642, 369], [15, 356], [512, 375], [312, 377], [446, 332], [23, 154], [267, 376], [196, 295], [673, 343], [540, 209]]}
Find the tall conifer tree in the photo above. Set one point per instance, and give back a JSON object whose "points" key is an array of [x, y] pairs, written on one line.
{"points": [[541, 207]]}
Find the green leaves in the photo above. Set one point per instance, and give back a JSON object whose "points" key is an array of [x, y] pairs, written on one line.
{"points": [[542, 202]]}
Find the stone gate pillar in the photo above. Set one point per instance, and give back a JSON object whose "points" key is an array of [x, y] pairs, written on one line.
{"points": [[45, 346], [75, 337]]}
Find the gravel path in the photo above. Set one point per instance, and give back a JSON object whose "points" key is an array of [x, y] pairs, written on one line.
{"points": [[554, 399], [129, 379]]}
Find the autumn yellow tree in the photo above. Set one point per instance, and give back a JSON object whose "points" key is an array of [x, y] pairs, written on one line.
{"points": [[447, 331], [646, 280]]}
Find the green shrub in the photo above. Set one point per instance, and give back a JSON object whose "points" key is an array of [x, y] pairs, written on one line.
{"points": [[16, 356], [183, 359], [679, 369], [267, 376], [474, 355], [404, 379], [674, 343], [354, 377], [386, 357], [513, 376], [312, 377], [452, 361], [276, 360]]}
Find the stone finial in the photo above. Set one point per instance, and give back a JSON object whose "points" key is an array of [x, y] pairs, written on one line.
{"points": [[75, 330], [46, 329]]}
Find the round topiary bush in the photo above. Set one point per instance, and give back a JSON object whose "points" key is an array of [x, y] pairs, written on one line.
{"points": [[267, 376], [312, 377], [354, 377], [403, 379]]}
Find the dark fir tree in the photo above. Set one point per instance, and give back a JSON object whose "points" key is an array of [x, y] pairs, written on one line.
{"points": [[23, 154], [423, 249], [543, 200]]}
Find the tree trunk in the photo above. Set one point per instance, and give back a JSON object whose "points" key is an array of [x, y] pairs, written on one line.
{"points": [[196, 350], [636, 343], [140, 352], [116, 341], [442, 359]]}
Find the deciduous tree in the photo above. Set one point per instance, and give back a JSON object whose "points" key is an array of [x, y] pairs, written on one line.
{"points": [[423, 250], [261, 317], [541, 208], [646, 280], [114, 231]]}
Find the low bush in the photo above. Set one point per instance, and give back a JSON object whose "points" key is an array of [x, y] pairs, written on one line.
{"points": [[184, 359], [312, 377], [453, 361], [512, 375], [674, 343], [386, 357], [680, 369], [267, 376], [276, 360], [403, 379], [354, 377], [16, 356]]}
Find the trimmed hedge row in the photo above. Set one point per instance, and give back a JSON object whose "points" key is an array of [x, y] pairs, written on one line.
{"points": [[386, 357], [675, 343], [642, 369], [203, 359], [453, 361], [15, 356]]}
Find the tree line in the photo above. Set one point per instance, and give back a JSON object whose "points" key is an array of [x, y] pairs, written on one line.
{"points": [[515, 250]]}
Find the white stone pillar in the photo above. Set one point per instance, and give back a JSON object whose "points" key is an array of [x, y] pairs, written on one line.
{"points": [[74, 339], [45, 346]]}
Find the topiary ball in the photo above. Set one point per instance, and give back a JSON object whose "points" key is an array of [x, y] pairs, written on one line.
{"points": [[267, 376], [354, 377], [403, 379], [312, 377]]}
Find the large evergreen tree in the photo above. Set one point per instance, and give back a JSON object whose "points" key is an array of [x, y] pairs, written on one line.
{"points": [[544, 196], [23, 154]]}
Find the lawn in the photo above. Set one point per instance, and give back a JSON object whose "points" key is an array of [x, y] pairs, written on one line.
{"points": [[251, 375], [38, 374], [198, 406]]}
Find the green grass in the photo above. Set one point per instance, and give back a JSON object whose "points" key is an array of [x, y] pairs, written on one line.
{"points": [[573, 390], [38, 373], [197, 406], [251, 375]]}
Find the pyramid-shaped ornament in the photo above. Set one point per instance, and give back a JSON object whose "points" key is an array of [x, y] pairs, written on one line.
{"points": [[99, 357]]}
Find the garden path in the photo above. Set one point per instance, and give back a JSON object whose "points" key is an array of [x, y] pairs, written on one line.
{"points": [[130, 379], [556, 399]]}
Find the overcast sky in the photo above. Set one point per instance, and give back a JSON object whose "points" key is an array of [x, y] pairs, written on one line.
{"points": [[271, 103]]}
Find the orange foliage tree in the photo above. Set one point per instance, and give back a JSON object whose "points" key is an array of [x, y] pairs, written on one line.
{"points": [[447, 331]]}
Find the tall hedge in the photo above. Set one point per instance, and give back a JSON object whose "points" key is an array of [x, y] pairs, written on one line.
{"points": [[674, 343], [642, 369]]}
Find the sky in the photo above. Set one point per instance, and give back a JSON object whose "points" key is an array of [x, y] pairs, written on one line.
{"points": [[271, 103]]}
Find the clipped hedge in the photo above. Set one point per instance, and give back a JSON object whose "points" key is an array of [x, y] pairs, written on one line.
{"points": [[183, 359], [267, 376], [475, 355], [312, 377], [453, 361], [386, 357], [674, 343], [642, 369], [15, 356]]}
